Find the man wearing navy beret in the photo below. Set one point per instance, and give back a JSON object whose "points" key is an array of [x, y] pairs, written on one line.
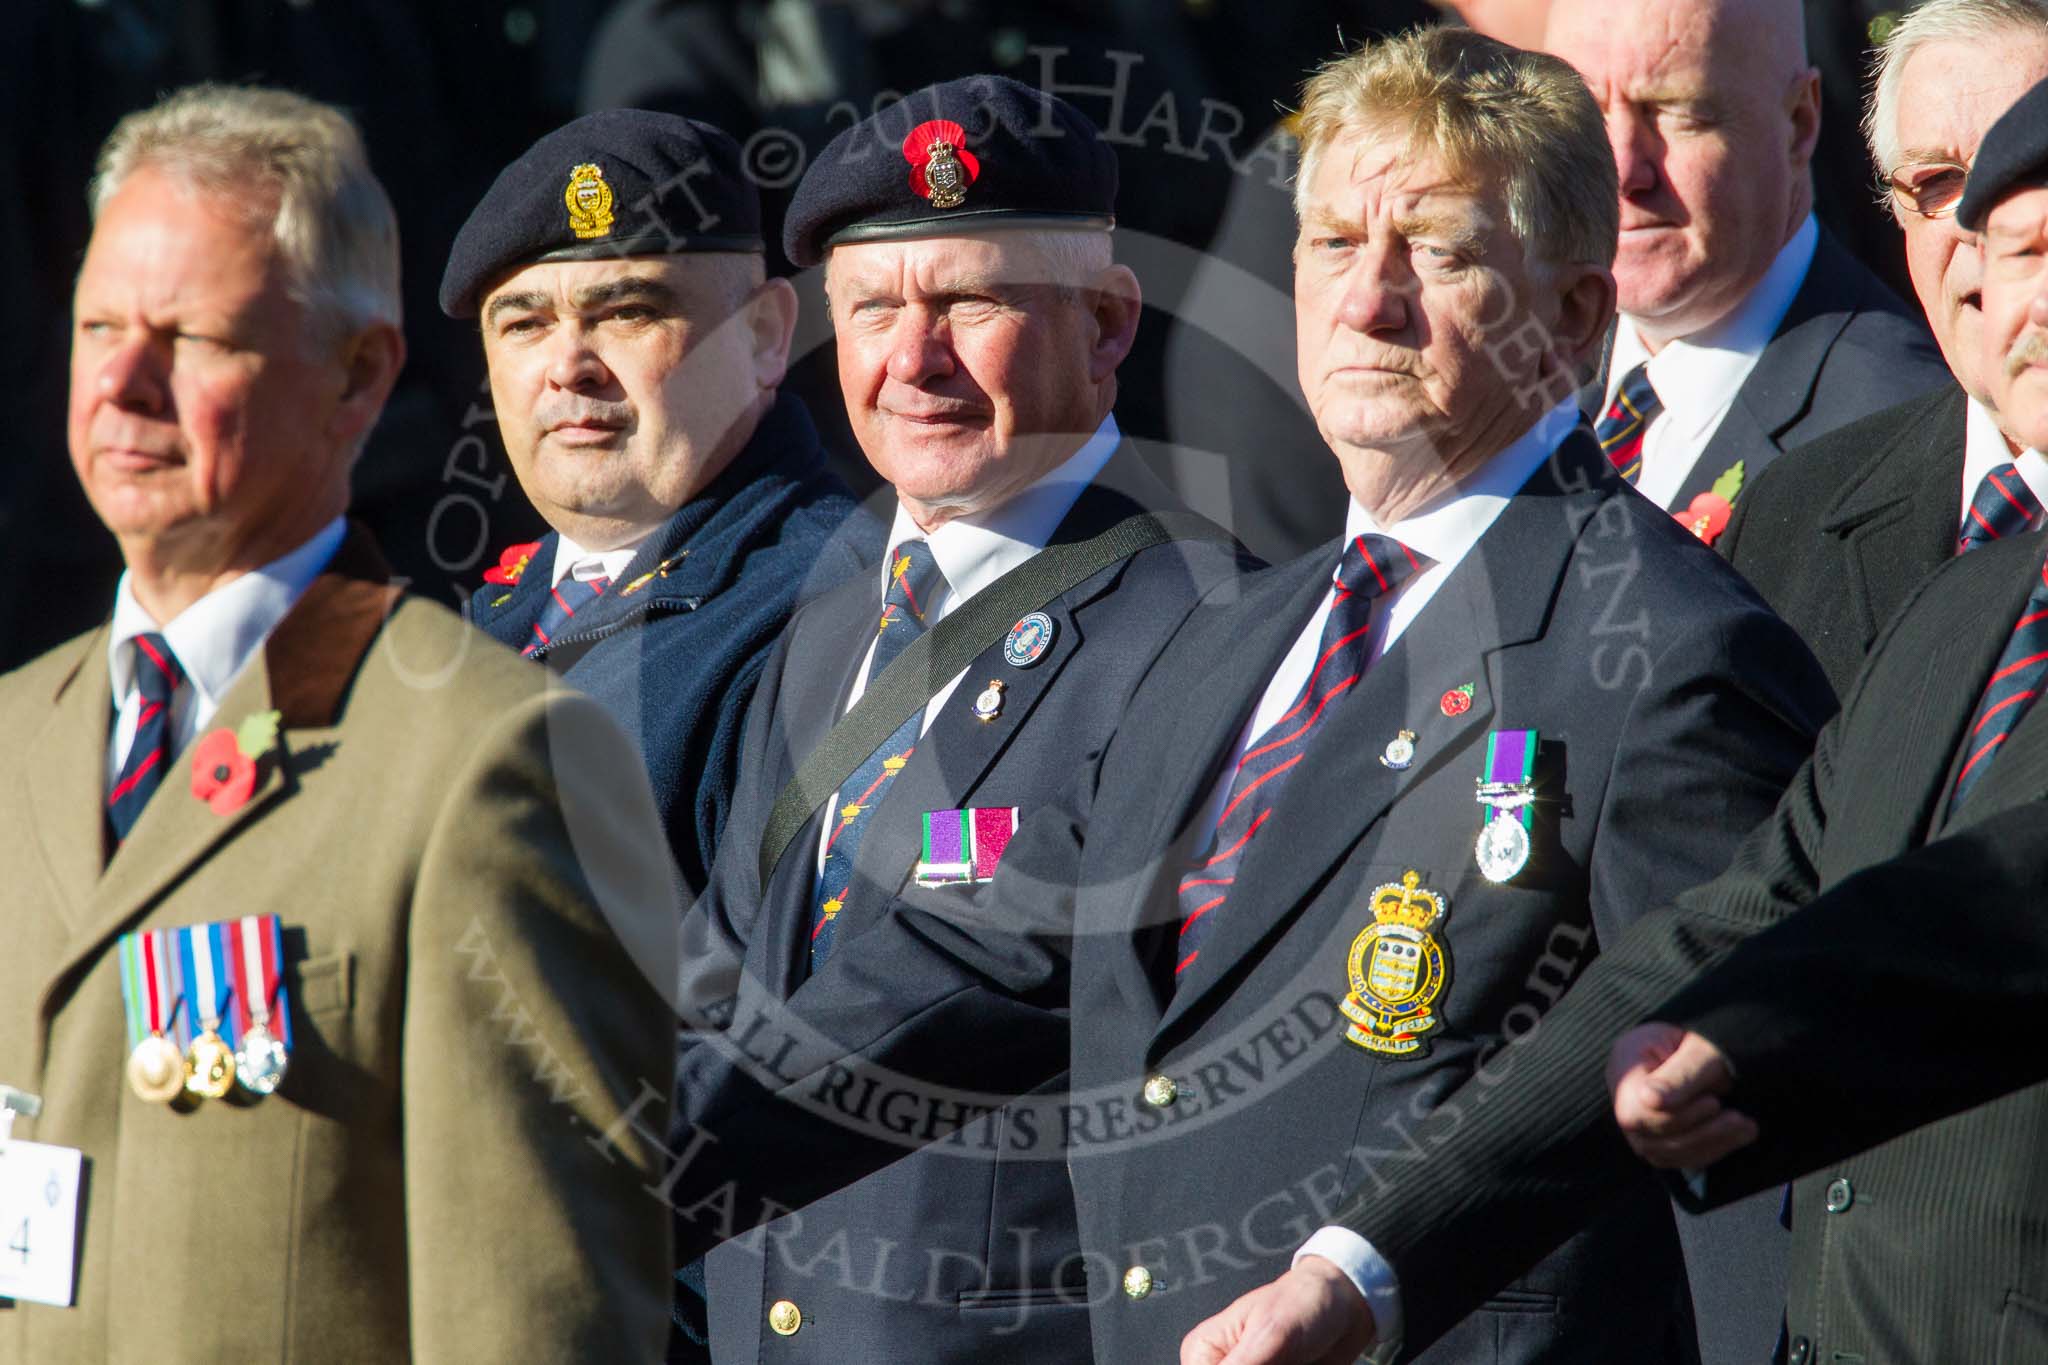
{"points": [[1269, 926], [1034, 568], [635, 349]]}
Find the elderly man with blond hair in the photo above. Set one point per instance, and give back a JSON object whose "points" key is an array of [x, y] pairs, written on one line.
{"points": [[334, 934], [1270, 927]]}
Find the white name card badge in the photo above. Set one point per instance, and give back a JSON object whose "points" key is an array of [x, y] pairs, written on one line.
{"points": [[38, 1221]]}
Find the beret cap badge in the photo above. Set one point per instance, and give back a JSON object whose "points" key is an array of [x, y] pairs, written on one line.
{"points": [[590, 202], [941, 168]]}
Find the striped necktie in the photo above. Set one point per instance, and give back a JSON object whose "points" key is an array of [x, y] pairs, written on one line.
{"points": [[157, 679], [1628, 419], [2004, 506], [1372, 567], [914, 585], [565, 599], [2015, 681]]}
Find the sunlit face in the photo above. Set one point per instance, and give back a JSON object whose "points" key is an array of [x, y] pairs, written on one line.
{"points": [[2014, 352], [205, 415], [1709, 156], [967, 372], [622, 386], [1949, 94], [1406, 280]]}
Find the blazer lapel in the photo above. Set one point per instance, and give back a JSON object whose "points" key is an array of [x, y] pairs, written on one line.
{"points": [[827, 646], [1900, 519], [1497, 597], [1779, 389], [2019, 770], [1308, 833], [950, 761], [64, 774], [302, 671]]}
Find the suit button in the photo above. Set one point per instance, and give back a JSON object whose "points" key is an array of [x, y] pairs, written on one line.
{"points": [[1160, 1091], [784, 1318], [1840, 1195], [1137, 1282], [1802, 1352]]}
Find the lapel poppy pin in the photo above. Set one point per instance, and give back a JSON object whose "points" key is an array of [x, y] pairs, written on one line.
{"points": [[225, 762], [1709, 513], [512, 563]]}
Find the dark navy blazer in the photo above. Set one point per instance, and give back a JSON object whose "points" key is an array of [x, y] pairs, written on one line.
{"points": [[675, 657], [956, 1253], [1672, 708]]}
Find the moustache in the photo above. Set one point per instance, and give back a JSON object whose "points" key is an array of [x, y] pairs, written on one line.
{"points": [[2031, 349], [584, 412]]}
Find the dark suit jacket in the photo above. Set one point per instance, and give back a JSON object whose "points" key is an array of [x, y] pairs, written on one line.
{"points": [[1838, 534], [953, 1253], [1847, 347], [676, 657], [1659, 746], [1936, 1247]]}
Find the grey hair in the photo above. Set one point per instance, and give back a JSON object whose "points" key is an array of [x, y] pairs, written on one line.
{"points": [[1934, 22], [274, 152], [1071, 258]]}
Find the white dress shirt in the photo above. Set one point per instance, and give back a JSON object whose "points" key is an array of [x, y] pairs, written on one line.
{"points": [[212, 639], [974, 551], [1697, 377], [572, 560], [1984, 449], [1446, 533]]}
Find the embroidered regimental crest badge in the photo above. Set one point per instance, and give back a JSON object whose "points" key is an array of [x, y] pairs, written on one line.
{"points": [[1397, 970]]}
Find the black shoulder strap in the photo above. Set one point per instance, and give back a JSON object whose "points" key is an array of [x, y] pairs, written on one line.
{"points": [[926, 662]]}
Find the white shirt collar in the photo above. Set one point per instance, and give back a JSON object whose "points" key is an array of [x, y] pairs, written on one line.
{"points": [[1697, 376], [588, 564], [974, 551], [1447, 530], [215, 636], [1984, 449]]}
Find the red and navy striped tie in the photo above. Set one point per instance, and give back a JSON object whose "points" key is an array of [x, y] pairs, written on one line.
{"points": [[2015, 682], [568, 597], [2004, 506], [1628, 419], [157, 679], [914, 585], [1372, 567]]}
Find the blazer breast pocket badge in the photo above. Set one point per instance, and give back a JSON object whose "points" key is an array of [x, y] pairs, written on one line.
{"points": [[962, 847], [1397, 969]]}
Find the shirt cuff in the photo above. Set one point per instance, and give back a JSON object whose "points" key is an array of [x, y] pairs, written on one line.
{"points": [[1374, 1278]]}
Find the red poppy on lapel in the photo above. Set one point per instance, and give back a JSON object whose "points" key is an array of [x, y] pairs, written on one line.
{"points": [[1707, 517], [511, 563], [225, 762], [222, 775]]}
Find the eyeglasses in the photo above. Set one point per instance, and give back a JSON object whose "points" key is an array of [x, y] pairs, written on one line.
{"points": [[1931, 189]]}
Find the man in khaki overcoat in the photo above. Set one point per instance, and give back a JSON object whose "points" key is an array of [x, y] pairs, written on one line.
{"points": [[474, 895]]}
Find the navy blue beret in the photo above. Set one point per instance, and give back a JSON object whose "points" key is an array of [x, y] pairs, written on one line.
{"points": [[971, 155], [2014, 153], [620, 182]]}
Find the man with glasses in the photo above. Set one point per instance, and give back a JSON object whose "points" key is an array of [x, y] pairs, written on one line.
{"points": [[1837, 535], [1745, 330]]}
